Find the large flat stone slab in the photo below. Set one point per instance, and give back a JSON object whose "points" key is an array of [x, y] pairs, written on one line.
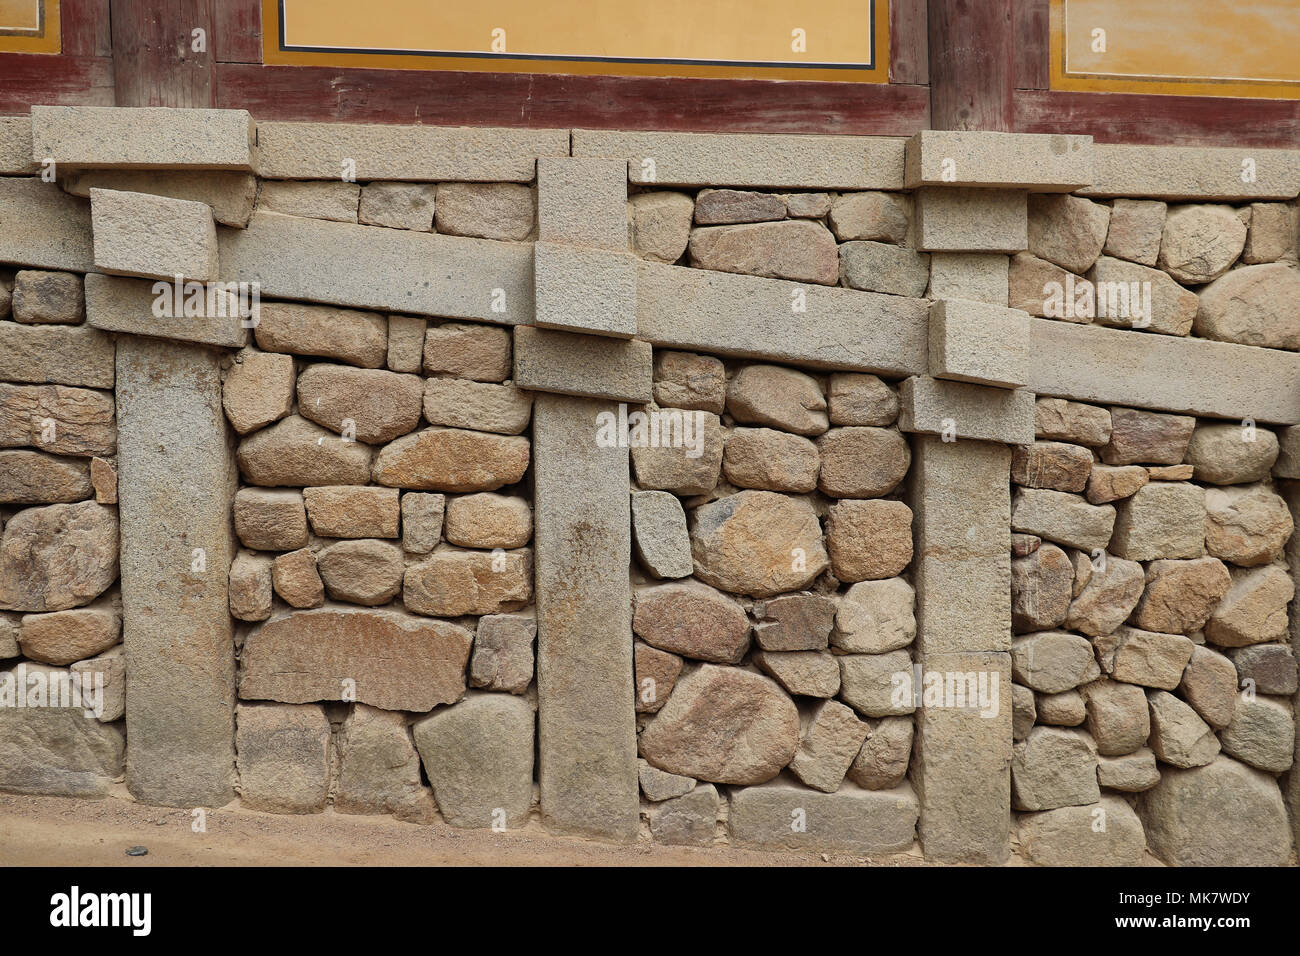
{"points": [[1039, 161], [119, 304], [153, 137], [369, 267], [750, 159], [1141, 370], [586, 722], [751, 317], [44, 227], [1193, 173], [404, 153], [783, 814], [384, 658], [177, 546]]}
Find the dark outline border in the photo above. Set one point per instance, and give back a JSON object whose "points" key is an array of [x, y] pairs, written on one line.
{"points": [[562, 58], [39, 32]]}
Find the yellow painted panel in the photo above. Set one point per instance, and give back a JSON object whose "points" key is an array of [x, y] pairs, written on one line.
{"points": [[29, 26], [775, 39], [1193, 47]]}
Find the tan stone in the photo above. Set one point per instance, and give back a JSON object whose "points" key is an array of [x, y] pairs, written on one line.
{"points": [[1246, 525], [1129, 773], [422, 516], [477, 352], [65, 637], [103, 475], [365, 571], [1031, 282], [58, 557], [503, 653], [882, 761], [793, 249], [1128, 295], [378, 768], [296, 452], [715, 207], [759, 543], [1110, 590], [110, 667], [771, 460], [1249, 306], [370, 405], [1136, 226], [1161, 520], [1048, 464], [724, 725], [1061, 710], [482, 406], [454, 583], [875, 617], [48, 298], [869, 540], [881, 267], [352, 511], [1262, 733], [258, 390], [230, 194], [405, 342], [859, 462], [807, 205], [296, 579], [398, 206], [870, 215], [682, 451], [336, 201], [1180, 595], [1041, 587], [1067, 230], [1117, 716], [451, 459], [1170, 472], [1148, 658], [1200, 243], [861, 399], [1228, 454], [801, 673], [486, 210], [1107, 483], [250, 587], [34, 478], [656, 674], [877, 685], [1178, 735], [1147, 438], [1061, 420], [1054, 767], [1254, 611], [1272, 233], [358, 338], [692, 619], [270, 520], [795, 622], [831, 737], [383, 658], [1052, 662], [687, 380], [488, 520], [660, 224], [1063, 518], [1209, 684], [777, 397]]}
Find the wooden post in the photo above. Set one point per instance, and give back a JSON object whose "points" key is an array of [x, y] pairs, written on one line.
{"points": [[972, 65], [156, 62]]}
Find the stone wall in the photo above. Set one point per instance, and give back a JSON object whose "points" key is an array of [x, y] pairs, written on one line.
{"points": [[825, 493]]}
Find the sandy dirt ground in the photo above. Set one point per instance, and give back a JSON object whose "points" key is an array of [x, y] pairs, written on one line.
{"points": [[55, 831]]}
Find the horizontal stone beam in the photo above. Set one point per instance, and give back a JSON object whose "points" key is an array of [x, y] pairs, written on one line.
{"points": [[369, 267], [153, 137], [1089, 363], [957, 410], [117, 304], [1038, 161], [1194, 173], [16, 146], [42, 226], [772, 161], [592, 366], [230, 194], [751, 317], [405, 153]]}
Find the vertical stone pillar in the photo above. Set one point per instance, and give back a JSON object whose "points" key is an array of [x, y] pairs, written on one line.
{"points": [[586, 723], [961, 498], [176, 480], [1291, 780]]}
